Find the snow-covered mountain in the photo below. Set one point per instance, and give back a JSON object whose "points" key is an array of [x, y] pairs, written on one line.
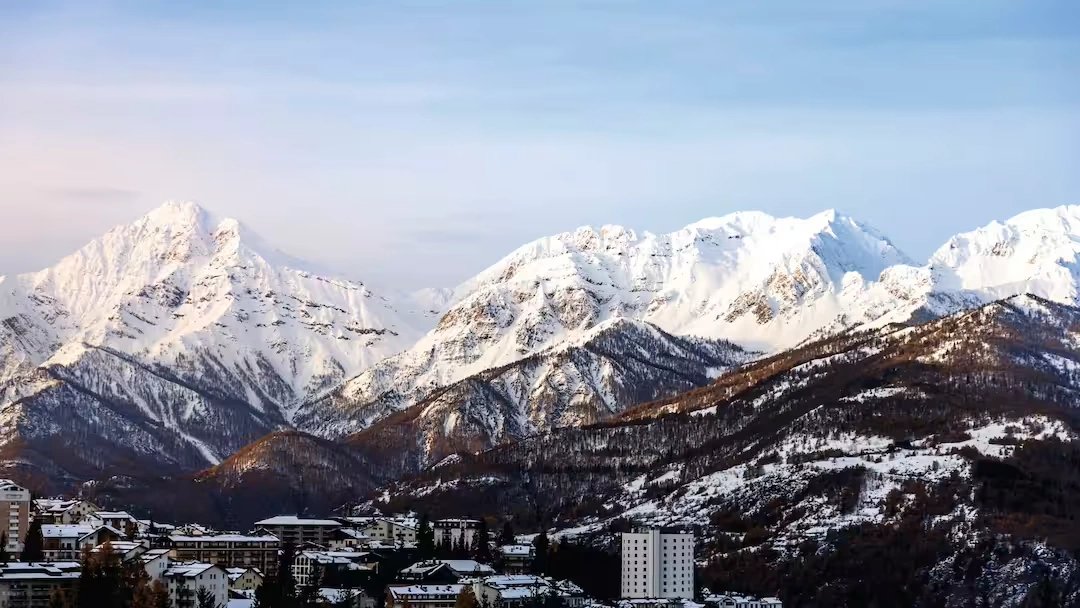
{"points": [[182, 337], [166, 324], [760, 281], [764, 283]]}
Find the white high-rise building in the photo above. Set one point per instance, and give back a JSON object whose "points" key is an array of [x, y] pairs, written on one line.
{"points": [[656, 565]]}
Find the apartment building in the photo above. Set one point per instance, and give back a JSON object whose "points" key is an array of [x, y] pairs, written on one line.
{"points": [[299, 530], [451, 531], [32, 585], [227, 550], [388, 529], [65, 542], [657, 565], [184, 581], [15, 507], [61, 511], [331, 565], [422, 596]]}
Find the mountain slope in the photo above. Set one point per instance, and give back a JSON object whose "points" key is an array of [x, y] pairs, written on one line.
{"points": [[946, 430], [759, 281], [187, 327], [747, 277], [619, 364]]}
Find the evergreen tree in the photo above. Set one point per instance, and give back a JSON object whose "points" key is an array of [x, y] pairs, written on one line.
{"points": [[425, 539], [205, 599], [285, 583], [506, 537], [34, 545], [540, 560], [482, 544], [4, 557]]}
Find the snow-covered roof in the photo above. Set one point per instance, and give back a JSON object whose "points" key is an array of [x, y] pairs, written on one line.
{"points": [[517, 550], [113, 515], [223, 538], [189, 569], [66, 530], [120, 546], [236, 573], [293, 520], [404, 590], [467, 566], [153, 554], [52, 570]]}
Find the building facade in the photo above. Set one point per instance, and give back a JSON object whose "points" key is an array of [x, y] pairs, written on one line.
{"points": [[227, 550], [15, 506], [426, 596], [657, 565], [451, 531], [298, 530], [185, 580], [32, 585]]}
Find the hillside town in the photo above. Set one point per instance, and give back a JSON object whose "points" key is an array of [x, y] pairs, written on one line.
{"points": [[69, 552]]}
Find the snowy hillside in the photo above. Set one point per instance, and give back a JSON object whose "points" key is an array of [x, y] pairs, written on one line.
{"points": [[960, 432], [198, 303]]}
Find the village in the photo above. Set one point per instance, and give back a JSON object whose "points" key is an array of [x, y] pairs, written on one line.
{"points": [[56, 553]]}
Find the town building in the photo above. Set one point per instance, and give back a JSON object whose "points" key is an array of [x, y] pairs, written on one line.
{"points": [[422, 596], [519, 590], [127, 550], [184, 580], [516, 559], [61, 511], [25, 585], [244, 579], [338, 597], [298, 530], [227, 550], [734, 600], [15, 506], [65, 542], [331, 565], [386, 528], [122, 521], [444, 570], [657, 565], [156, 562], [347, 538], [452, 531]]}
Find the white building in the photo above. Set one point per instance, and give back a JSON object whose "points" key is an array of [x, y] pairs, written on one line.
{"points": [[15, 501], [386, 528], [452, 531], [156, 562], [656, 565], [185, 580]]}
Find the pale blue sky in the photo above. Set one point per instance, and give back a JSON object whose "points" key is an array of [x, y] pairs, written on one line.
{"points": [[414, 143]]}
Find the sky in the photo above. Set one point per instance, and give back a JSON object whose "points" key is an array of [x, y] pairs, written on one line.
{"points": [[413, 144]]}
